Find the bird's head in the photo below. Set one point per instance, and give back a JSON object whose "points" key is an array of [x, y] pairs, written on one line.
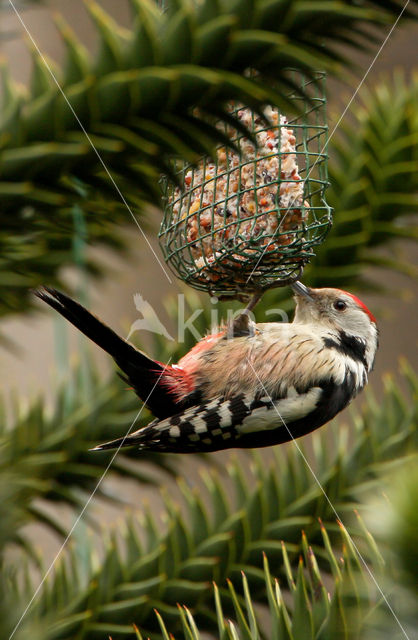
{"points": [[340, 312]]}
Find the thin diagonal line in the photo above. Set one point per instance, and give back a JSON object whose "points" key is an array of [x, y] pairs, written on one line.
{"points": [[80, 515], [329, 502], [102, 162], [364, 77], [334, 130]]}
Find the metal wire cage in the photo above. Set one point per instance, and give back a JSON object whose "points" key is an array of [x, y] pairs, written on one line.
{"points": [[250, 218]]}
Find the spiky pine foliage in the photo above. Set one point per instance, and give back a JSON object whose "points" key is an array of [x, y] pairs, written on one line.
{"points": [[45, 458], [135, 97], [135, 101], [307, 610], [393, 520], [373, 184], [157, 565], [299, 605]]}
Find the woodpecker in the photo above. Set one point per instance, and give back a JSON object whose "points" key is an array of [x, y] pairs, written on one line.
{"points": [[249, 385]]}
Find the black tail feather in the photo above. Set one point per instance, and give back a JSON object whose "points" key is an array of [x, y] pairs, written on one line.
{"points": [[140, 438], [113, 444], [91, 326], [142, 372]]}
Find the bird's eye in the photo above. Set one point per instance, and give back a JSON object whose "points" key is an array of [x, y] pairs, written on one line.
{"points": [[340, 305]]}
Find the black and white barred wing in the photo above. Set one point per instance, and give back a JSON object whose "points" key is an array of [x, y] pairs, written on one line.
{"points": [[206, 427], [240, 421]]}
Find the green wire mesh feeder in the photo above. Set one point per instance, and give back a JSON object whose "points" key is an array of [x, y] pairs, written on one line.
{"points": [[249, 219]]}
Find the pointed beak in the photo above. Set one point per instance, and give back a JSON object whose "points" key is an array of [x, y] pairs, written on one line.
{"points": [[301, 290]]}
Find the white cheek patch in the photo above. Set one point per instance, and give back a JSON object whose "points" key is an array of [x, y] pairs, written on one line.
{"points": [[287, 410]]}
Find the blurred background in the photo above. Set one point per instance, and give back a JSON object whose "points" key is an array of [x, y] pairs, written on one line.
{"points": [[34, 359]]}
